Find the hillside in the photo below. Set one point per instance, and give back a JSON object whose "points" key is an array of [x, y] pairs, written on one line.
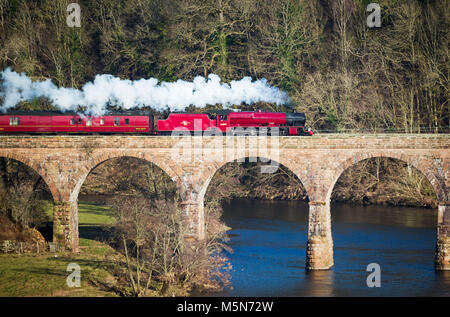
{"points": [[342, 73]]}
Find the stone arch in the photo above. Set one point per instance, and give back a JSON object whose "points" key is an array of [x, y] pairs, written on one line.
{"points": [[215, 168], [66, 231], [36, 167], [218, 165], [101, 158], [423, 165], [432, 172]]}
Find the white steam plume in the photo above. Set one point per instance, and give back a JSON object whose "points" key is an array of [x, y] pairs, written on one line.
{"points": [[109, 90]]}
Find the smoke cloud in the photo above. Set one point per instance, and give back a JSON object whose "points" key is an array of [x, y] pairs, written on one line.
{"points": [[107, 90]]}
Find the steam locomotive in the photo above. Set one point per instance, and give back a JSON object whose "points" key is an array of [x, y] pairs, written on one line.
{"points": [[139, 122]]}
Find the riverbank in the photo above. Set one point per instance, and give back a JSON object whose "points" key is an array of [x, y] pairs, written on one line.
{"points": [[103, 269], [45, 274]]}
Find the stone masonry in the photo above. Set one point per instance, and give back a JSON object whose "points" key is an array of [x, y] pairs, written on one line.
{"points": [[65, 161]]}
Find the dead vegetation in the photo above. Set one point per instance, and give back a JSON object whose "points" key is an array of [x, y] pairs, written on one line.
{"points": [[150, 231], [343, 74], [23, 196], [372, 181], [385, 181]]}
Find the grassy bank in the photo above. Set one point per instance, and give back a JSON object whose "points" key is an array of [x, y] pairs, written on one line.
{"points": [[45, 274], [88, 213], [103, 269]]}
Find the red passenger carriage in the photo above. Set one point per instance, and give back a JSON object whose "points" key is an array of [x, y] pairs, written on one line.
{"points": [[55, 122]]}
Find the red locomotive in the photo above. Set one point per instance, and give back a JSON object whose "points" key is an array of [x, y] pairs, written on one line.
{"points": [[224, 121]]}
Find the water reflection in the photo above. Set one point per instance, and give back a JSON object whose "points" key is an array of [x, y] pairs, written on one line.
{"points": [[384, 215], [318, 283], [269, 242]]}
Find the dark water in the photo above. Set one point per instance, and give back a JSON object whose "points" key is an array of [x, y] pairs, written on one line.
{"points": [[269, 240]]}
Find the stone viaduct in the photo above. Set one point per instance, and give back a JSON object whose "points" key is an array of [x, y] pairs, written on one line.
{"points": [[64, 162]]}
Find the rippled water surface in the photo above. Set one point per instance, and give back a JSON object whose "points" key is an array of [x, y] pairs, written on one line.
{"points": [[269, 240]]}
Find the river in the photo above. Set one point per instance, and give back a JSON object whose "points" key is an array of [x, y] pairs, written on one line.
{"points": [[269, 241]]}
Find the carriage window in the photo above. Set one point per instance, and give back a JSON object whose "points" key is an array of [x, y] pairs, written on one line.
{"points": [[88, 122], [72, 121], [80, 121], [102, 121], [127, 121], [14, 121], [116, 122]]}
